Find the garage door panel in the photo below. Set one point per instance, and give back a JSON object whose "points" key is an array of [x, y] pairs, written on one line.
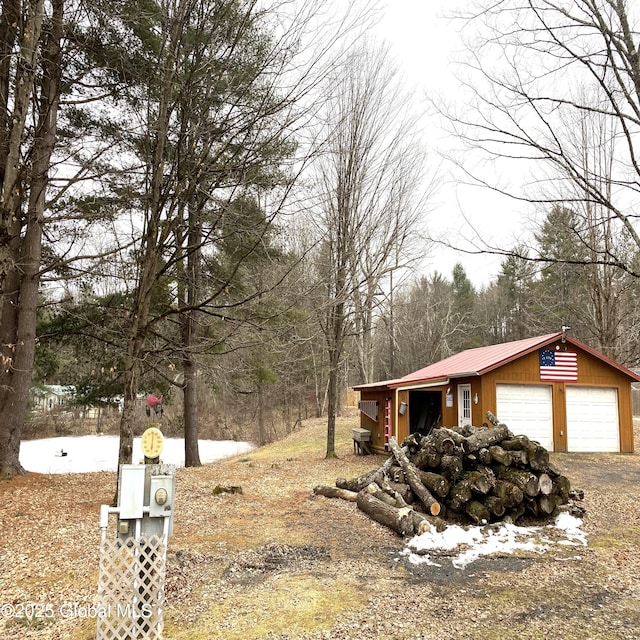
{"points": [[528, 410], [592, 419]]}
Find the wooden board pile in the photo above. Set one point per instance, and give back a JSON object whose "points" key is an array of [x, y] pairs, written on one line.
{"points": [[462, 475]]}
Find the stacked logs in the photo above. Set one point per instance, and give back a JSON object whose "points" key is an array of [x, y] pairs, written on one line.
{"points": [[469, 474]]}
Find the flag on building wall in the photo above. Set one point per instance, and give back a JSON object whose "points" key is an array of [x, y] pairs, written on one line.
{"points": [[558, 366]]}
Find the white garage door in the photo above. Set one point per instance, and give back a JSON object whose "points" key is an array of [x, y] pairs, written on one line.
{"points": [[527, 409], [592, 419]]}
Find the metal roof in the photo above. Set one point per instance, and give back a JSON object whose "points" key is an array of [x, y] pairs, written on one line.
{"points": [[477, 362]]}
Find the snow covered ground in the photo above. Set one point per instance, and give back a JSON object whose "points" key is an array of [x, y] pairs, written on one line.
{"points": [[100, 453], [464, 545]]}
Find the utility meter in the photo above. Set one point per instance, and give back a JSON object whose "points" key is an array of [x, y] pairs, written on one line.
{"points": [[161, 490], [146, 493]]}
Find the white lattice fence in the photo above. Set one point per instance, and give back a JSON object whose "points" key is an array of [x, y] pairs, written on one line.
{"points": [[131, 588]]}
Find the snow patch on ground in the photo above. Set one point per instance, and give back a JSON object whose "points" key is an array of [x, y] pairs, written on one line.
{"points": [[100, 453], [466, 544]]}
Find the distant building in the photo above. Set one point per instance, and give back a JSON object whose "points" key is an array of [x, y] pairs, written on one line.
{"points": [[47, 397]]}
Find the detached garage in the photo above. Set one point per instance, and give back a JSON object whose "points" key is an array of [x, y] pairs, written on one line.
{"points": [[553, 388]]}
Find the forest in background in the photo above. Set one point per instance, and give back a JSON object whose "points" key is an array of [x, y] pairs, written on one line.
{"points": [[227, 202]]}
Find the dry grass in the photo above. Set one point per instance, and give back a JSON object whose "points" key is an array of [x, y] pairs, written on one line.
{"points": [[277, 562]]}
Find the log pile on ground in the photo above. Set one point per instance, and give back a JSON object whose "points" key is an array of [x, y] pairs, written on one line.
{"points": [[460, 475]]}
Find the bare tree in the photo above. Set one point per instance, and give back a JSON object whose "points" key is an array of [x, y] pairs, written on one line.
{"points": [[610, 319], [537, 71], [553, 87], [597, 295], [426, 325], [371, 195]]}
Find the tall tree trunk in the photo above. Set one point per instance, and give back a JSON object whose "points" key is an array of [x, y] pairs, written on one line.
{"points": [[336, 345], [191, 450], [190, 392], [23, 277], [262, 436], [127, 419], [10, 418], [9, 20], [332, 410], [189, 362], [135, 343], [11, 197]]}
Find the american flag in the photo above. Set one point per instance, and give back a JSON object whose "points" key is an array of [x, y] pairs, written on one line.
{"points": [[558, 366]]}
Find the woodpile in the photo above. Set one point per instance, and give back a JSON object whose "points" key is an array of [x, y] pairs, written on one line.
{"points": [[462, 475]]}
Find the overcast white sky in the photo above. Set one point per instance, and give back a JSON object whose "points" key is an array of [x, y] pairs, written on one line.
{"points": [[424, 43]]}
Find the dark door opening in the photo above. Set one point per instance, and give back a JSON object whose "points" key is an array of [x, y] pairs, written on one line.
{"points": [[425, 411]]}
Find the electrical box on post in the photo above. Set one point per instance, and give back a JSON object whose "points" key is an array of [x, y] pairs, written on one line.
{"points": [[131, 491], [146, 494], [132, 570]]}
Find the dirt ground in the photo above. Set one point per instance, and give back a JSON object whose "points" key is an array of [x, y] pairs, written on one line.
{"points": [[277, 562]]}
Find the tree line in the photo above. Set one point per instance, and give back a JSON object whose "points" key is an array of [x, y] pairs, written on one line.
{"points": [[226, 200], [436, 315]]}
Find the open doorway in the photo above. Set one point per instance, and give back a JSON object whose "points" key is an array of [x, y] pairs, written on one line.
{"points": [[425, 411]]}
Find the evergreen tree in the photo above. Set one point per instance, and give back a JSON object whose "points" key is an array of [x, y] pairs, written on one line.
{"points": [[516, 303], [562, 289], [464, 296], [31, 36]]}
